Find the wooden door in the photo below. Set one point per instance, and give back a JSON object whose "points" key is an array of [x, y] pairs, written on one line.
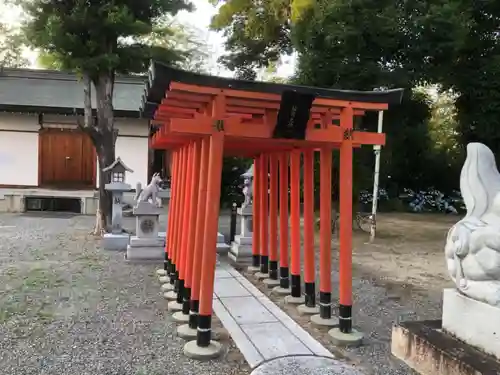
{"points": [[66, 159]]}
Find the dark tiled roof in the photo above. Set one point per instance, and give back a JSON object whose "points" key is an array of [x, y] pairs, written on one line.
{"points": [[46, 91], [160, 76]]}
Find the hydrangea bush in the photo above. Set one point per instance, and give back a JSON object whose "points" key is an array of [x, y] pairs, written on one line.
{"points": [[430, 200]]}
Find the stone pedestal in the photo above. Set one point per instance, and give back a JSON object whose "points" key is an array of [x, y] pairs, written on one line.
{"points": [[163, 235], [241, 248], [117, 239], [147, 245], [113, 241], [466, 341], [427, 349], [473, 322], [222, 246]]}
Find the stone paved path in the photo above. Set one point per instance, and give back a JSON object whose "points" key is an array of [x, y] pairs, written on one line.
{"points": [[305, 365], [67, 307], [265, 333]]}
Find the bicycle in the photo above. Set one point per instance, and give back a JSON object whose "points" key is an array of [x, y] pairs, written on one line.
{"points": [[363, 221]]}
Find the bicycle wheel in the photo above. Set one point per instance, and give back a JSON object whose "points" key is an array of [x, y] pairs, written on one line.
{"points": [[364, 221]]}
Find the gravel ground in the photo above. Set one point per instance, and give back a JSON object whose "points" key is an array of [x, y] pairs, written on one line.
{"points": [[400, 277], [67, 307]]}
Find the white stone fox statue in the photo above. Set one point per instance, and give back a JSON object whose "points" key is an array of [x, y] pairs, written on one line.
{"points": [[248, 187], [150, 192], [473, 244]]}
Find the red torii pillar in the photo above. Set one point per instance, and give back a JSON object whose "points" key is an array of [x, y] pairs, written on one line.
{"points": [[184, 225], [295, 296], [264, 216], [177, 224], [184, 296], [164, 274], [344, 333], [255, 267], [284, 273], [327, 135], [272, 280], [204, 334], [189, 331], [324, 318], [309, 307]]}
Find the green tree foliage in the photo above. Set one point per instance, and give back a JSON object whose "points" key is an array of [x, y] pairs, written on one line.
{"points": [[232, 183], [364, 45], [461, 42], [95, 36], [99, 39], [356, 45], [446, 140], [11, 48], [48, 61], [257, 33], [185, 41]]}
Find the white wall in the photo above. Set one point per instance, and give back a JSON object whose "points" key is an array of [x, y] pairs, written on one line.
{"points": [[18, 150], [132, 147]]}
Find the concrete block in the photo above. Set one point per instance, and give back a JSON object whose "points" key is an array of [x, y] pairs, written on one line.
{"points": [[428, 350], [111, 241], [475, 323]]}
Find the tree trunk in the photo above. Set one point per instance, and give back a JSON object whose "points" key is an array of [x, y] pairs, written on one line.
{"points": [[103, 134], [105, 149]]}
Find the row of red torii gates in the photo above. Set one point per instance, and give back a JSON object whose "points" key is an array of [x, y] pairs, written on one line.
{"points": [[200, 119]]}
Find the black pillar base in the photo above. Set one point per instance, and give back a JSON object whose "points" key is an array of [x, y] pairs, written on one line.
{"points": [[193, 314], [204, 334], [166, 263], [325, 305], [180, 290], [284, 278], [186, 301], [173, 274], [310, 289], [345, 318], [273, 270], [296, 289], [255, 260], [264, 264]]}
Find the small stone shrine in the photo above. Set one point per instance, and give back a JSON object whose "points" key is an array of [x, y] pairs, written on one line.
{"points": [[467, 339], [241, 248], [147, 245], [117, 239]]}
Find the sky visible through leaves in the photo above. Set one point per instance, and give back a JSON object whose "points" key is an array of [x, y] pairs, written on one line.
{"points": [[200, 20]]}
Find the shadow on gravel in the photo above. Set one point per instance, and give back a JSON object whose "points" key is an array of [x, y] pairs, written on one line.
{"points": [[50, 214]]}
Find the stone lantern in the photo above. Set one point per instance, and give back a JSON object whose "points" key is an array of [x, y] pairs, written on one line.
{"points": [[117, 239], [241, 248]]}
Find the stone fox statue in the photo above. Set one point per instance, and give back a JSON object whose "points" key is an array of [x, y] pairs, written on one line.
{"points": [[473, 244], [248, 192], [150, 191], [248, 187]]}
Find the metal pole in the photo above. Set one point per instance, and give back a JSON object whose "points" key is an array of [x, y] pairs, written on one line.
{"points": [[376, 150]]}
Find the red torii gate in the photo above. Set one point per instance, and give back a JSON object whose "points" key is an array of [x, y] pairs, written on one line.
{"points": [[201, 118]]}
